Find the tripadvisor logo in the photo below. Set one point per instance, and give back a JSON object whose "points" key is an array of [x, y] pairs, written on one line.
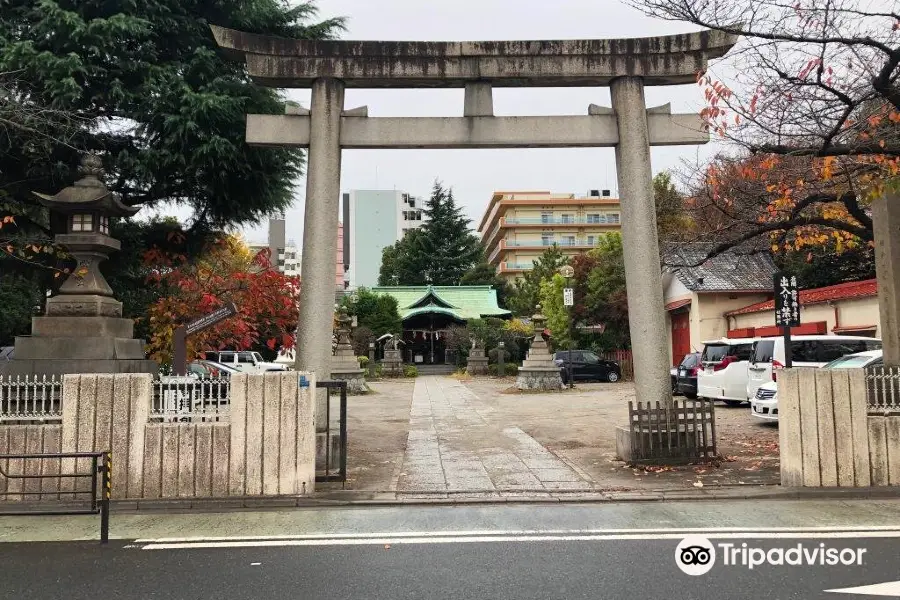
{"points": [[696, 555]]}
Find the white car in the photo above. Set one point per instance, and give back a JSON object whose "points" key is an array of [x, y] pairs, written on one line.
{"points": [[244, 361], [765, 404], [723, 370], [812, 351]]}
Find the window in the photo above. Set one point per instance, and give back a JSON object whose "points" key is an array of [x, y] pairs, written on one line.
{"points": [[591, 358], [546, 217], [104, 225], [832, 349], [569, 240], [591, 240], [568, 219], [763, 351], [805, 351], [714, 353], [418, 215], [612, 218], [226, 357], [742, 351], [593, 218], [245, 357], [690, 361], [546, 239], [83, 222]]}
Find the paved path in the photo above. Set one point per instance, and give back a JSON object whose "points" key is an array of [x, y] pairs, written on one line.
{"points": [[454, 446]]}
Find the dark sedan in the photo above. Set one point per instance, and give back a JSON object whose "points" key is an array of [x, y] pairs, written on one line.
{"points": [[686, 376], [588, 366]]}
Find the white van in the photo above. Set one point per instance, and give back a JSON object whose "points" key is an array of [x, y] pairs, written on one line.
{"points": [[244, 361], [812, 351], [723, 370]]}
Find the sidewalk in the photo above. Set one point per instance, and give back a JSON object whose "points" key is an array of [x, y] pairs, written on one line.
{"points": [[755, 514]]}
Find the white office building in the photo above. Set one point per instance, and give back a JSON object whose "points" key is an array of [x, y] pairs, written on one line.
{"points": [[374, 220]]}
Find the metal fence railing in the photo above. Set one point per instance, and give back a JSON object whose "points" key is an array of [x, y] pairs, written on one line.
{"points": [[43, 502], [30, 399], [883, 389], [189, 400]]}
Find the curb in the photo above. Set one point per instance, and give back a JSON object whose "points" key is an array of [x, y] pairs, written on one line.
{"points": [[506, 497]]}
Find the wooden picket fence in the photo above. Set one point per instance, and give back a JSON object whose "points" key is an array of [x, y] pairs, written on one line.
{"points": [[685, 433]]}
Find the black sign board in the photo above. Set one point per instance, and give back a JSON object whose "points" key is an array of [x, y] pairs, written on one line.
{"points": [[205, 322], [787, 300], [179, 361]]}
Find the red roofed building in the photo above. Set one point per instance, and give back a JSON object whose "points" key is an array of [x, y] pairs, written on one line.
{"points": [[846, 308]]}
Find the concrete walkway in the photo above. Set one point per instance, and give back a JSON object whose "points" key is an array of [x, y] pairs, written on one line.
{"points": [[453, 446]]}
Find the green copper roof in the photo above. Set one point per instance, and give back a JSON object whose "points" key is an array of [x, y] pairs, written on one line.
{"points": [[463, 302]]}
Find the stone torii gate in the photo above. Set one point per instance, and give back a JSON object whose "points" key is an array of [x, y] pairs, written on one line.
{"points": [[625, 65]]}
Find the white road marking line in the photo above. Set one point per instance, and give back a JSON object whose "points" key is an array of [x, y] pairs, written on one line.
{"points": [[451, 539], [889, 588], [514, 532]]}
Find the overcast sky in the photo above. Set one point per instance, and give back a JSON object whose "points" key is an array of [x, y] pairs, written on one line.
{"points": [[475, 174]]}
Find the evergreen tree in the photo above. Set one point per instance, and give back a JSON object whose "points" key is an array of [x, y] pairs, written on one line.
{"points": [[526, 293], [438, 253], [143, 84]]}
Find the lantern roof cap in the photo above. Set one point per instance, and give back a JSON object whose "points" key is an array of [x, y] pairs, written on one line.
{"points": [[88, 193]]}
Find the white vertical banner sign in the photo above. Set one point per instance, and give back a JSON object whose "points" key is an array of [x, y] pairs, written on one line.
{"points": [[568, 297]]}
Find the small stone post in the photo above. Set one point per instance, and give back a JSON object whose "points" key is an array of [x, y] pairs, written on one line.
{"points": [[501, 359], [372, 360]]}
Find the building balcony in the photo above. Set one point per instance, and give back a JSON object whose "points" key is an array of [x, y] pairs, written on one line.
{"points": [[511, 267], [543, 222]]}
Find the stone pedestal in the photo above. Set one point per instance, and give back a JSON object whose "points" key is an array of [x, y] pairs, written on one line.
{"points": [[344, 366], [392, 363], [539, 371], [478, 362]]}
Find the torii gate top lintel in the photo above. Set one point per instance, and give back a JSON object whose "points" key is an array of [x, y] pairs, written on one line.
{"points": [[289, 63]]}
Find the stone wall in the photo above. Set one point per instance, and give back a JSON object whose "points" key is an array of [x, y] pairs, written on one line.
{"points": [[828, 436], [267, 447]]}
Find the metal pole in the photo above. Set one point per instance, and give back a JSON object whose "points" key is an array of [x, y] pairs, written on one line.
{"points": [[569, 357], [107, 492], [344, 434], [788, 354]]}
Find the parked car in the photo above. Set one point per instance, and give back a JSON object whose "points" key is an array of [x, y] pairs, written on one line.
{"points": [[244, 361], [871, 358], [723, 370], [588, 366], [765, 403], [809, 351], [208, 369], [686, 375]]}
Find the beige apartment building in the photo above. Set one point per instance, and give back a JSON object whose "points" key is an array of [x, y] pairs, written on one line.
{"points": [[517, 227]]}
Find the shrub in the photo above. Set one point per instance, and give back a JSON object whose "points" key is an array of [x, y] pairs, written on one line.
{"points": [[410, 371], [363, 361], [508, 368]]}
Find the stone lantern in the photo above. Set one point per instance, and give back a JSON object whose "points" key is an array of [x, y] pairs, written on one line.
{"points": [[82, 330], [345, 366], [539, 371]]}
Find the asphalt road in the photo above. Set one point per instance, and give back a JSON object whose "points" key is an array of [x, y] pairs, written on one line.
{"points": [[518, 565]]}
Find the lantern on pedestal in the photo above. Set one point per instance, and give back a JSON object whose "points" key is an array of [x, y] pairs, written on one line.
{"points": [[82, 330]]}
